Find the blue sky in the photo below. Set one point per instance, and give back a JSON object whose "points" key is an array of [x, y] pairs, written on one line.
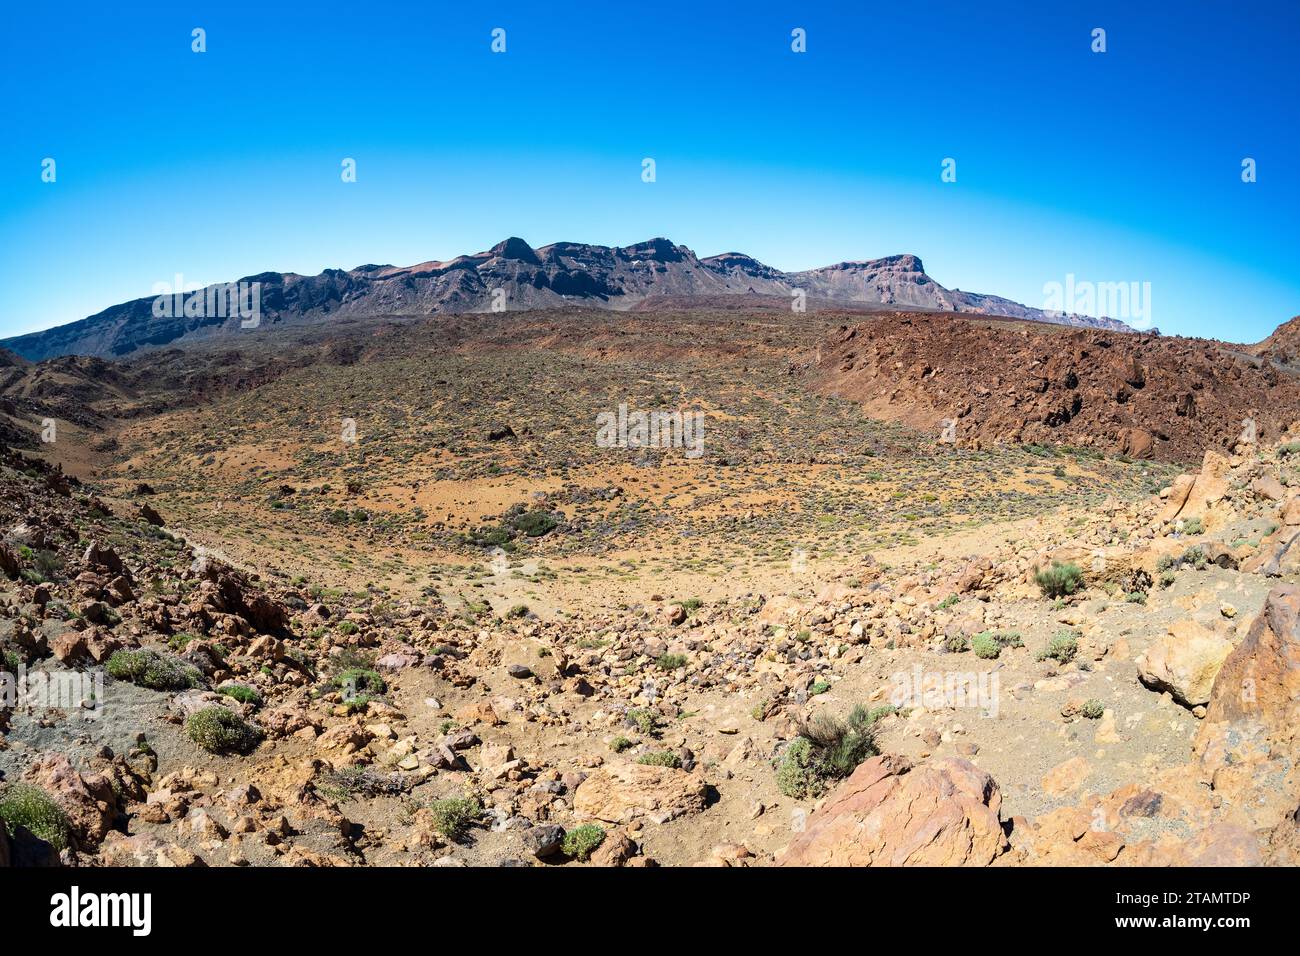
{"points": [[1115, 167]]}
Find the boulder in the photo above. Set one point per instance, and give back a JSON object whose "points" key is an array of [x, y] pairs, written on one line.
{"points": [[888, 813], [1184, 662], [89, 801], [1259, 682], [621, 792], [1192, 496]]}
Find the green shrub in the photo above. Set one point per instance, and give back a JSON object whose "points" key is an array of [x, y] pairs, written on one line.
{"points": [[819, 687], [535, 524], [1059, 580], [452, 817], [948, 602], [1062, 647], [646, 721], [348, 627], [619, 744], [1092, 708], [581, 842], [242, 693], [955, 643], [826, 750], [1193, 526], [519, 610], [660, 758], [671, 662], [153, 670], [356, 681], [985, 646], [23, 805], [219, 730]]}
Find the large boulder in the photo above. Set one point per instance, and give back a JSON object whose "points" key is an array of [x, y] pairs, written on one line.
{"points": [[888, 813], [1184, 662], [89, 801], [1193, 496], [1259, 682], [621, 792]]}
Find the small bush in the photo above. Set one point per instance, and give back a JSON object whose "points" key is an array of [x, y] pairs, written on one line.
{"points": [[1193, 526], [671, 662], [819, 687], [535, 524], [660, 758], [1092, 708], [242, 693], [985, 646], [1060, 580], [153, 670], [1062, 647], [826, 750], [619, 744], [646, 721], [948, 602], [581, 842], [356, 681], [23, 805], [452, 817], [219, 730], [955, 643]]}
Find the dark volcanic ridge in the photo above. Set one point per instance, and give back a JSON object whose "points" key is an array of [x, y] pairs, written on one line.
{"points": [[514, 276]]}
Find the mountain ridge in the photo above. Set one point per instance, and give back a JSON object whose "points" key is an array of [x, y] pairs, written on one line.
{"points": [[514, 275]]}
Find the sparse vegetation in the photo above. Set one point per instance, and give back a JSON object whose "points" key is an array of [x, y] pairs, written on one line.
{"points": [[453, 817], [1060, 580], [582, 841], [30, 807], [825, 750], [1062, 648], [219, 730], [152, 670]]}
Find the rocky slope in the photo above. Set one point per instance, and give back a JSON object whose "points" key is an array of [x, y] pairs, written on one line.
{"points": [[561, 273], [1139, 395], [359, 729]]}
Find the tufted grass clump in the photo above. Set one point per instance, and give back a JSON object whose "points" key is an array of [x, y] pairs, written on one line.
{"points": [[1060, 580], [581, 842], [219, 730], [452, 817], [30, 807], [150, 669], [826, 750]]}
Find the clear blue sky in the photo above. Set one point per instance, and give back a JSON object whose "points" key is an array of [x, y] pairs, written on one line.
{"points": [[1123, 166]]}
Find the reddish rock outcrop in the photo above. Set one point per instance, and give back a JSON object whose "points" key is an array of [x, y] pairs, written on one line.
{"points": [[889, 813]]}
